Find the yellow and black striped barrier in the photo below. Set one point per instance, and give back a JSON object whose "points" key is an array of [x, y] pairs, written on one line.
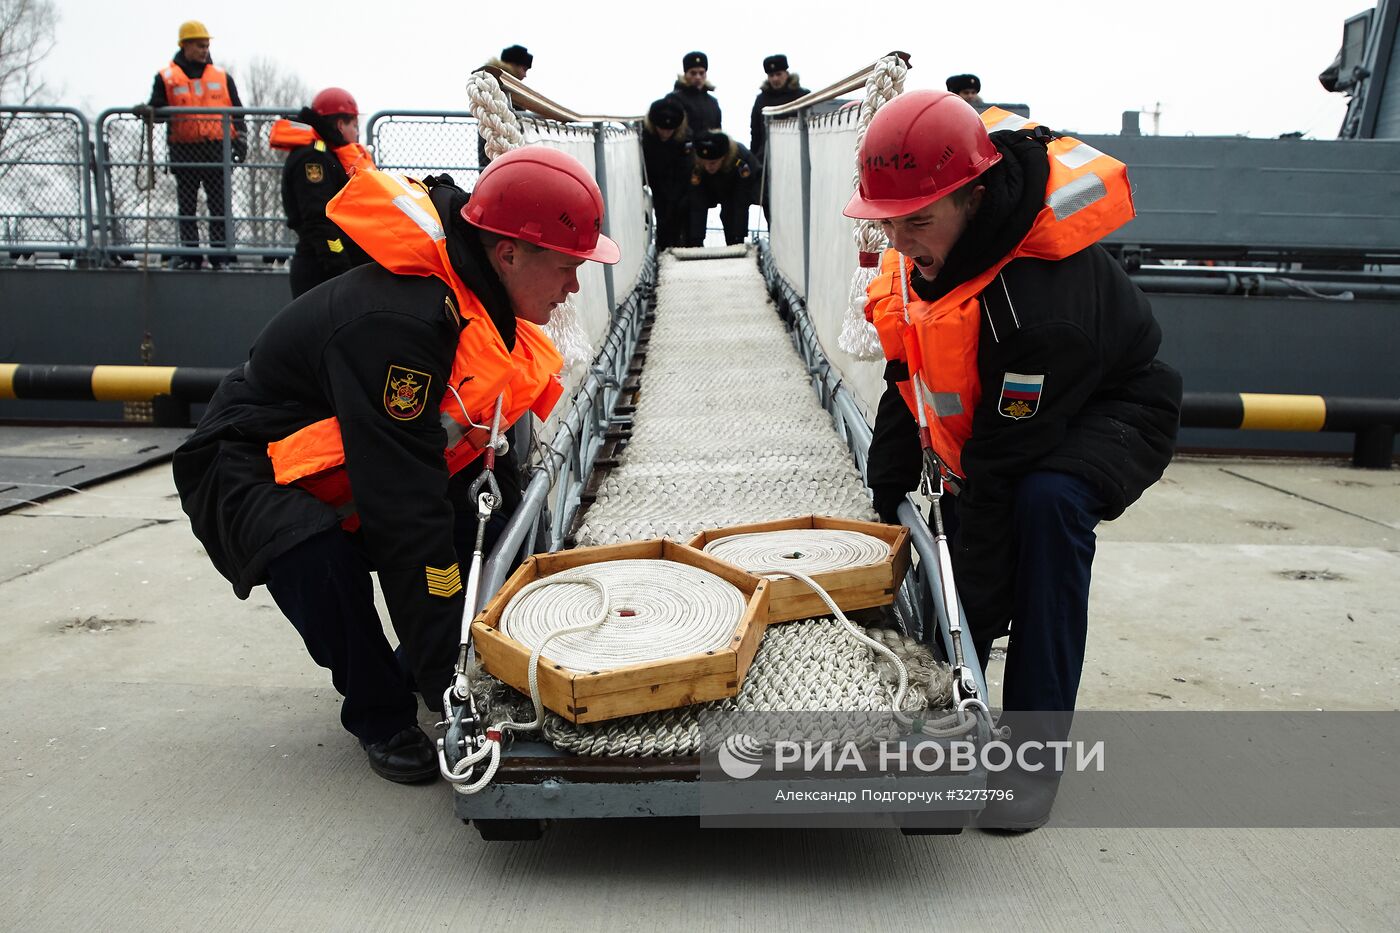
{"points": [[108, 383], [171, 388], [1372, 420]]}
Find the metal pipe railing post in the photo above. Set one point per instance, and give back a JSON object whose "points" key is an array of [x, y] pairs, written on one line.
{"points": [[600, 172]]}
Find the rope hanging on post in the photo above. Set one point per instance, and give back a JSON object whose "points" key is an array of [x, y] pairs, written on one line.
{"points": [[858, 336], [501, 132]]}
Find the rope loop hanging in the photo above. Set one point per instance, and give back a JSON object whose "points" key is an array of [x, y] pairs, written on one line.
{"points": [[858, 336], [501, 132]]}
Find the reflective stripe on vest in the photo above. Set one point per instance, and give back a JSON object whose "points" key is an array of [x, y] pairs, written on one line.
{"points": [[393, 219], [209, 90], [1087, 197], [289, 134]]}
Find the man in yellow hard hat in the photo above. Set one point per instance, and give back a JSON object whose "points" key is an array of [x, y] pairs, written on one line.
{"points": [[196, 142]]}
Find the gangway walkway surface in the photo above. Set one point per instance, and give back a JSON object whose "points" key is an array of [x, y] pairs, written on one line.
{"points": [[727, 429]]}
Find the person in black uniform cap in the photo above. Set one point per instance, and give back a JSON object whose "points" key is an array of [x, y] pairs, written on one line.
{"points": [[693, 91], [517, 60], [780, 87], [666, 151], [968, 87], [726, 174]]}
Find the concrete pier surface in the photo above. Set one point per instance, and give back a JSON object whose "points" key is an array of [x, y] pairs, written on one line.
{"points": [[170, 759]]}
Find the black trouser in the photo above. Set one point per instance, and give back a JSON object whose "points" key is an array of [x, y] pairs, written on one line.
{"points": [[323, 586], [307, 272], [1054, 520], [189, 177], [671, 220]]}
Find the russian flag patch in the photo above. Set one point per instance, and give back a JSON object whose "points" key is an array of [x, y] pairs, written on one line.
{"points": [[1020, 395]]}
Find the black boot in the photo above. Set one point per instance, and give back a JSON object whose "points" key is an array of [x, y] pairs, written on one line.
{"points": [[408, 757]]}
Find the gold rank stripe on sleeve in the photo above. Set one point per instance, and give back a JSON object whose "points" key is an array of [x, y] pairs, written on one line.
{"points": [[444, 581]]}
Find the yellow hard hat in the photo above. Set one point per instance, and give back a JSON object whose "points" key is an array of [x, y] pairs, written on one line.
{"points": [[193, 29]]}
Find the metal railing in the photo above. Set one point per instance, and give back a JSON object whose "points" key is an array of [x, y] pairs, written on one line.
{"points": [[223, 199], [421, 142], [45, 182]]}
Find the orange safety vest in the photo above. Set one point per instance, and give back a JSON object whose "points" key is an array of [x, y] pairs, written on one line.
{"points": [[289, 134], [208, 90], [394, 220], [1086, 198]]}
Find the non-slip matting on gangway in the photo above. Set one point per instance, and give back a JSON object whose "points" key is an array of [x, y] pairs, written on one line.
{"points": [[727, 429]]}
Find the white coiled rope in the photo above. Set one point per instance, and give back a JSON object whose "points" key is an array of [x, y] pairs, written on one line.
{"points": [[858, 336], [806, 550], [659, 609], [501, 132]]}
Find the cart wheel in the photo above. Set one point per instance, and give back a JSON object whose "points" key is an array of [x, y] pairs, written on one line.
{"points": [[510, 830]]}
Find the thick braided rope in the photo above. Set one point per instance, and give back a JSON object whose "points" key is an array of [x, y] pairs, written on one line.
{"points": [[807, 550], [858, 336], [801, 666], [501, 132], [657, 609]]}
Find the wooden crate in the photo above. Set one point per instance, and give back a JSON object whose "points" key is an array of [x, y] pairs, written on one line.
{"points": [[593, 696], [851, 588]]}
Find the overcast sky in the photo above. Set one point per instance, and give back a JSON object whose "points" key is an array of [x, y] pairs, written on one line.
{"points": [[1215, 67]]}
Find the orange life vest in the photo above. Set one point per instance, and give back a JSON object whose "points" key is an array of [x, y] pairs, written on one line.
{"points": [[208, 90], [1086, 198], [289, 134], [394, 220]]}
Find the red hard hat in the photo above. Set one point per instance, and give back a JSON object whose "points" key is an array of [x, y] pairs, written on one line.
{"points": [[545, 197], [919, 147], [334, 101]]}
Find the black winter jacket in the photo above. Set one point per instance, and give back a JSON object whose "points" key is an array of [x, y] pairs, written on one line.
{"points": [[767, 97], [311, 176], [328, 354], [734, 187], [1109, 408], [701, 109]]}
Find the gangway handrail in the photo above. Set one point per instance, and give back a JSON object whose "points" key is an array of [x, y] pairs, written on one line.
{"points": [[527, 98], [851, 82]]}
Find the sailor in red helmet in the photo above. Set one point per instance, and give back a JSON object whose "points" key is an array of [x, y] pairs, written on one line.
{"points": [[323, 151], [1022, 370], [348, 441]]}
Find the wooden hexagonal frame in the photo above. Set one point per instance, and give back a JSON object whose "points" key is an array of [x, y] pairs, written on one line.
{"points": [[851, 588], [594, 696]]}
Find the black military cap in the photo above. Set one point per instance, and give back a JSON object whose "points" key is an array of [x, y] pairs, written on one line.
{"points": [[518, 55], [665, 114], [695, 60], [775, 63], [712, 145], [960, 83]]}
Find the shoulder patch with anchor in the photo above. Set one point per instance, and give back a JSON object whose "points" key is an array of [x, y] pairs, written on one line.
{"points": [[315, 172], [405, 392]]}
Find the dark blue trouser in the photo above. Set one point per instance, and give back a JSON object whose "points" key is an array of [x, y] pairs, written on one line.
{"points": [[323, 586], [1054, 520]]}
